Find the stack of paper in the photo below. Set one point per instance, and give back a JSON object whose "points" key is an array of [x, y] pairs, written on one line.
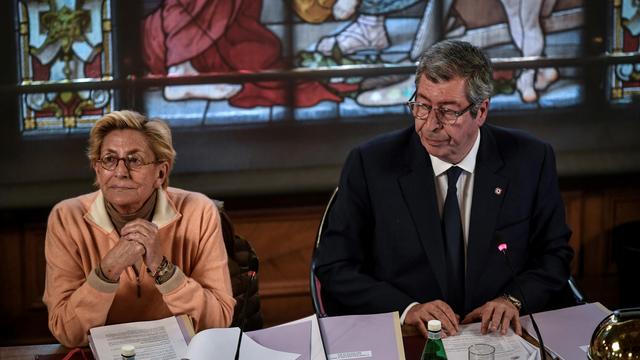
{"points": [[168, 338], [374, 337], [508, 347]]}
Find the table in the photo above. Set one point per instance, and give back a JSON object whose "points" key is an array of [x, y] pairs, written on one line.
{"points": [[413, 344], [29, 352]]}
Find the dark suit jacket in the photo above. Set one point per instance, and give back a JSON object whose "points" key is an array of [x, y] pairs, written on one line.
{"points": [[383, 247]]}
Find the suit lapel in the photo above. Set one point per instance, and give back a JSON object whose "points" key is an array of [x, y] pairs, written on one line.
{"points": [[418, 190], [489, 190]]}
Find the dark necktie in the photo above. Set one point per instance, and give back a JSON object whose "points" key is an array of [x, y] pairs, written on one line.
{"points": [[454, 243]]}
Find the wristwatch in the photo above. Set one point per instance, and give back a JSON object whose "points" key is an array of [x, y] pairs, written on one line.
{"points": [[512, 299]]}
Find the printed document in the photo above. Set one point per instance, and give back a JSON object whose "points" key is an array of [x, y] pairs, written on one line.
{"points": [[167, 339], [508, 347], [159, 339]]}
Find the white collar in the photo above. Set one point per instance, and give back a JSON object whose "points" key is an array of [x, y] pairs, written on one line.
{"points": [[164, 213], [467, 164]]}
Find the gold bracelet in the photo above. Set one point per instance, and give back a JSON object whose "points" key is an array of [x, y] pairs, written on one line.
{"points": [[164, 271], [161, 279], [161, 267]]}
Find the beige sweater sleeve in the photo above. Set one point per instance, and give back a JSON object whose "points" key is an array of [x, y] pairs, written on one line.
{"points": [[206, 294], [76, 298]]}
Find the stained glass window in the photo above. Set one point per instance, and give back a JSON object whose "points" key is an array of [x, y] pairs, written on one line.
{"points": [[193, 37], [64, 41], [625, 78]]}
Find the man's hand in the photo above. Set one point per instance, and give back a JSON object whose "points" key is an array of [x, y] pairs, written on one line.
{"points": [[420, 314], [496, 314], [145, 233]]}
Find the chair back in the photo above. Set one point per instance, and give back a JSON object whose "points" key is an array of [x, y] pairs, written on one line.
{"points": [[242, 262], [569, 295], [314, 283]]}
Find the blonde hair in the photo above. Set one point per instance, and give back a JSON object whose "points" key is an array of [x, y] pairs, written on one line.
{"points": [[156, 132]]}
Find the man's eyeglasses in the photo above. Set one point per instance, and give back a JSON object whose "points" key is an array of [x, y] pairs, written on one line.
{"points": [[446, 116], [131, 162]]}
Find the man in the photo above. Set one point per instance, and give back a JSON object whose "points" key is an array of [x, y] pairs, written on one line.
{"points": [[419, 211]]}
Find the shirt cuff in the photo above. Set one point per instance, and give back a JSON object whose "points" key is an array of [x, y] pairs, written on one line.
{"points": [[173, 283], [101, 285], [406, 310]]}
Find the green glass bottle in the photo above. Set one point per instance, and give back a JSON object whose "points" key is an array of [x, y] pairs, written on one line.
{"points": [[434, 348]]}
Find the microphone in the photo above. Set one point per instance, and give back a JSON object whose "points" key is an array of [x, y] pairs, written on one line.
{"points": [[502, 247], [252, 272]]}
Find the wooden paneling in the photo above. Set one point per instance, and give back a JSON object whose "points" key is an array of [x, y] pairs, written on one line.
{"points": [[34, 270], [574, 205], [10, 267], [592, 215], [22, 265], [283, 238]]}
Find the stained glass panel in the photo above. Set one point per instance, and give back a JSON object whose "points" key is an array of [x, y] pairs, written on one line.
{"points": [[625, 78], [255, 35], [64, 41]]}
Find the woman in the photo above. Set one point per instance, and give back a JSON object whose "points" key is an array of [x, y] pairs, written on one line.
{"points": [[135, 249]]}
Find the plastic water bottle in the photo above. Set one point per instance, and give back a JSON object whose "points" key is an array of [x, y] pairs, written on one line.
{"points": [[434, 348]]}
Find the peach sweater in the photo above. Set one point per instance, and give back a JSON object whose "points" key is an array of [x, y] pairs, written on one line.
{"points": [[79, 235]]}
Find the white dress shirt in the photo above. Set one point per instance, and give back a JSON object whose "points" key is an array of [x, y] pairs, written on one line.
{"points": [[465, 193]]}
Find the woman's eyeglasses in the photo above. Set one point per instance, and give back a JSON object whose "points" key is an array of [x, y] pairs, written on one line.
{"points": [[131, 162]]}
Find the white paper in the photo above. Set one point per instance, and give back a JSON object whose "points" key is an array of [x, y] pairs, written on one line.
{"points": [[317, 349], [222, 344], [158, 339], [508, 347]]}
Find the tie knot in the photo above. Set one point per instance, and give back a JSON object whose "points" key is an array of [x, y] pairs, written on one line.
{"points": [[452, 175]]}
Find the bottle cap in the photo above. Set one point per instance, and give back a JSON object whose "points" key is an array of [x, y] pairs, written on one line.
{"points": [[434, 325], [128, 350]]}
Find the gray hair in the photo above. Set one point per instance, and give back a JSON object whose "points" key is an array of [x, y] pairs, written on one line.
{"points": [[449, 59]]}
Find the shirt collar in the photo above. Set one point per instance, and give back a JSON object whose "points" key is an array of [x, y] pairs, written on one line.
{"points": [[164, 213], [467, 164]]}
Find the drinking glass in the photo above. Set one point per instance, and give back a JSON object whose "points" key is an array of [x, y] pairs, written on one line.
{"points": [[481, 352]]}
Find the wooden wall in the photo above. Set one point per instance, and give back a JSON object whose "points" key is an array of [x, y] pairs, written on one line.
{"points": [[283, 240], [283, 237]]}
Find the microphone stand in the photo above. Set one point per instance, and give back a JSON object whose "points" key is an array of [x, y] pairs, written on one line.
{"points": [[237, 356], [502, 247], [253, 271], [324, 346]]}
